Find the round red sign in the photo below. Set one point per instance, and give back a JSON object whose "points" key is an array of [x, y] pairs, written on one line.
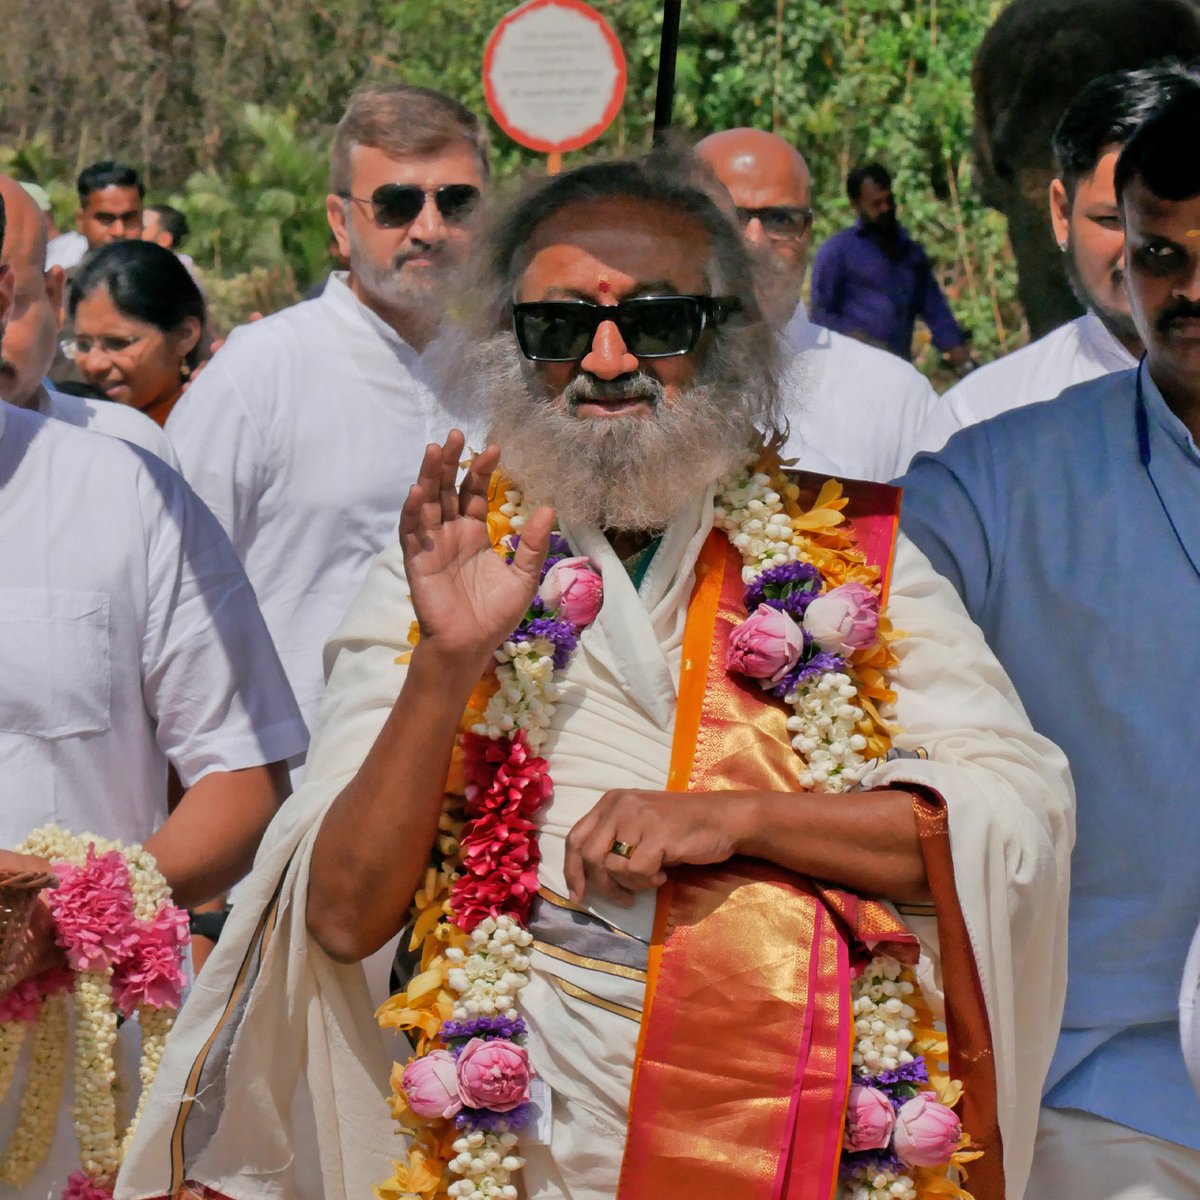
{"points": [[553, 75]]}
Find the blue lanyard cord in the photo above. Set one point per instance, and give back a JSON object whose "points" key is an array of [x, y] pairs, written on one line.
{"points": [[1143, 439], [1143, 430]]}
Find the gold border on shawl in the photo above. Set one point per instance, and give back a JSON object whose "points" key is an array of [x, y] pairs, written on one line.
{"points": [[586, 997], [258, 947], [562, 902], [589, 964], [787, 1141]]}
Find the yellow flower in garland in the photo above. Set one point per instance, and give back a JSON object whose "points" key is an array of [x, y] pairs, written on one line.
{"points": [[412, 1179]]}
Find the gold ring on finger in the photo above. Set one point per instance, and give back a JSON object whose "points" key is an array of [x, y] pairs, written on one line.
{"points": [[622, 849]]}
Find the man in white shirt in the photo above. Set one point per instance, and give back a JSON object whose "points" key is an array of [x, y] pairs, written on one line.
{"points": [[853, 410], [298, 429], [31, 337], [1087, 227], [129, 641]]}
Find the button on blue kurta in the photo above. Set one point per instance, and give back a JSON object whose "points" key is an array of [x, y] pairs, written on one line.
{"points": [[1082, 566]]}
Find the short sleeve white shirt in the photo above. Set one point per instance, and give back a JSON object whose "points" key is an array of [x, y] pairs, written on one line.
{"points": [[129, 637], [1079, 351], [116, 420], [302, 435], [854, 411]]}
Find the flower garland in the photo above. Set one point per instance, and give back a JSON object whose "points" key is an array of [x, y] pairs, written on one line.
{"points": [[815, 638], [125, 945], [465, 1095]]}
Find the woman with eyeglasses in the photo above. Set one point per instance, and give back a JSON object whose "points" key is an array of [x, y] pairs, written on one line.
{"points": [[139, 321]]}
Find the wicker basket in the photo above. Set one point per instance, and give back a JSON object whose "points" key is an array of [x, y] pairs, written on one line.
{"points": [[18, 892]]}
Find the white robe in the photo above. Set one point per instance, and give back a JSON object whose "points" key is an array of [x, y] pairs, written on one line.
{"points": [[1011, 828], [853, 410], [1073, 353]]}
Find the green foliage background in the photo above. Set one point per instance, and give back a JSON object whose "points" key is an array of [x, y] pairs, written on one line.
{"points": [[228, 106]]}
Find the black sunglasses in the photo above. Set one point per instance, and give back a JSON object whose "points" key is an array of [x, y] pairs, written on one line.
{"points": [[651, 326], [396, 204], [779, 221]]}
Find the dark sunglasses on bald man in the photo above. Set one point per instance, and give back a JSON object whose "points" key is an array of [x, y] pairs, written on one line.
{"points": [[395, 204], [650, 326], [779, 221]]}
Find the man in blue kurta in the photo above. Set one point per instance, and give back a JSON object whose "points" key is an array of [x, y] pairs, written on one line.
{"points": [[873, 280], [1071, 529]]}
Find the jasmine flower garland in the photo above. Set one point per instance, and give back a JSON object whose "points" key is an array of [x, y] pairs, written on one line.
{"points": [[465, 1095]]}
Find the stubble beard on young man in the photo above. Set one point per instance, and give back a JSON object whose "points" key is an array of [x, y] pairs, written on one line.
{"points": [[1119, 324], [627, 473]]}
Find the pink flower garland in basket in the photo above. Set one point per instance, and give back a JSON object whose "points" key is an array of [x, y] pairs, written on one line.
{"points": [[125, 945]]}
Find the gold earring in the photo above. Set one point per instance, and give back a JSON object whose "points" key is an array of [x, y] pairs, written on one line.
{"points": [[185, 372]]}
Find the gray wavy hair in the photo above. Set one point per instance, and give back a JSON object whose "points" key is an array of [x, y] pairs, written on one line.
{"points": [[623, 472]]}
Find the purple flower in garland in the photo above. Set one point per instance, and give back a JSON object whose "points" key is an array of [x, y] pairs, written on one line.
{"points": [[807, 669], [900, 1085], [790, 587], [494, 1122], [562, 634], [509, 1029]]}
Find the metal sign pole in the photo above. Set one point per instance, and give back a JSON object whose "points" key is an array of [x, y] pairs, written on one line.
{"points": [[668, 47]]}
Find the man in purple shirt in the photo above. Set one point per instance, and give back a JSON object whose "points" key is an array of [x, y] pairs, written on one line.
{"points": [[872, 281]]}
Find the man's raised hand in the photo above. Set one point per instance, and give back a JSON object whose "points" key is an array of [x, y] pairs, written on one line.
{"points": [[467, 598]]}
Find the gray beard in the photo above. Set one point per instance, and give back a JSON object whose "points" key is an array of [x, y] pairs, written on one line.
{"points": [[392, 290], [622, 473]]}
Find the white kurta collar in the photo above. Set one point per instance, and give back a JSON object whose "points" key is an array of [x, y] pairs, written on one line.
{"points": [[1102, 347], [338, 297]]}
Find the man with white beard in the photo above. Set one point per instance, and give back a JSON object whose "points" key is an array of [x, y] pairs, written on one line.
{"points": [[295, 433], [644, 817], [853, 410]]}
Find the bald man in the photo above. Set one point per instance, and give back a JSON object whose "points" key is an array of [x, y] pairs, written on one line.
{"points": [[32, 335], [855, 411]]}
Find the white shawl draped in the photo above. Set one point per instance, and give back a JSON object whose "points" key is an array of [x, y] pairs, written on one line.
{"points": [[308, 1029]]}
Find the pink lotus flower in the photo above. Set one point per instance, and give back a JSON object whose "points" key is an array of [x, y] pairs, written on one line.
{"points": [[493, 1075], [573, 588], [869, 1119], [844, 619], [93, 909], [431, 1085], [926, 1132], [153, 973], [83, 1187], [765, 646]]}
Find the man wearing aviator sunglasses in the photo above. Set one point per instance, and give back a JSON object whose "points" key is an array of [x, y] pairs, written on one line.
{"points": [[296, 431]]}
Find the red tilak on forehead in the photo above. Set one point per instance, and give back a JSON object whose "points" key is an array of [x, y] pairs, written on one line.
{"points": [[604, 287]]}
